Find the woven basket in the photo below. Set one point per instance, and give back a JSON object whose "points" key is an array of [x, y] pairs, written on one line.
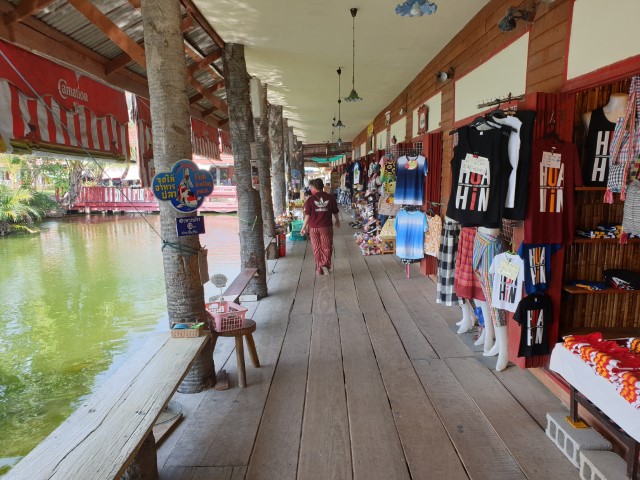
{"points": [[186, 332], [226, 315]]}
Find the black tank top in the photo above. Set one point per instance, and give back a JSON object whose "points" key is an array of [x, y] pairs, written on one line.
{"points": [[595, 168]]}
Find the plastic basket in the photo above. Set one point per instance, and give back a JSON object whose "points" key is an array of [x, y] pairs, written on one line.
{"points": [[226, 315], [186, 332], [296, 225], [296, 237]]}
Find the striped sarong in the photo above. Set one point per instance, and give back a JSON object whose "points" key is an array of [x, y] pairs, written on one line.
{"points": [[447, 264], [484, 249], [322, 243], [465, 283]]}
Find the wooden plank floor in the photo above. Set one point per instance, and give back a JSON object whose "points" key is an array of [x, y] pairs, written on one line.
{"points": [[362, 377]]}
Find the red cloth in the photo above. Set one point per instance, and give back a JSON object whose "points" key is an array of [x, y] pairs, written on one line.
{"points": [[322, 243], [320, 207], [465, 282], [550, 205]]}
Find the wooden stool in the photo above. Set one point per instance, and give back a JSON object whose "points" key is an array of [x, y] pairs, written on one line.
{"points": [[248, 327]]}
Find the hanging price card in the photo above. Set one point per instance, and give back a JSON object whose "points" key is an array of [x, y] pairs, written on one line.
{"points": [[509, 270], [551, 160], [475, 164]]}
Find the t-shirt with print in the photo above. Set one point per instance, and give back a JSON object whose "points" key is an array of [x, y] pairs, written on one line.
{"points": [[320, 207], [514, 156], [410, 228], [519, 210], [480, 172], [595, 168], [537, 265], [508, 276], [357, 173], [555, 172], [410, 173], [389, 170], [534, 314]]}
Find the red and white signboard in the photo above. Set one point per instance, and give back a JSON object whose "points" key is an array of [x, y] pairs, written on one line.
{"points": [[142, 120], [204, 141], [74, 112]]}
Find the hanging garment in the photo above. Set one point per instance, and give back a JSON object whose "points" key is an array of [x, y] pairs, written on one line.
{"points": [[508, 276], [596, 161], [537, 266], [534, 314], [410, 228], [513, 148], [519, 210], [410, 180], [466, 283], [432, 237], [386, 205], [389, 170], [485, 248], [555, 172], [631, 216], [445, 293], [480, 175]]}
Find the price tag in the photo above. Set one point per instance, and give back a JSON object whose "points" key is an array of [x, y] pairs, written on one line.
{"points": [[475, 164], [551, 160], [509, 270]]}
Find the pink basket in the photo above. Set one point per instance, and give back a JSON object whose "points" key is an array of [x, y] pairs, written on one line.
{"points": [[226, 315]]}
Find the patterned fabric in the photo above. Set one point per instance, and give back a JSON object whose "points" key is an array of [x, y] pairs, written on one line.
{"points": [[432, 237], [322, 243], [485, 248], [446, 264], [466, 283]]}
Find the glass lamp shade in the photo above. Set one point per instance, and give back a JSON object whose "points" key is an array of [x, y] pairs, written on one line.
{"points": [[353, 97]]}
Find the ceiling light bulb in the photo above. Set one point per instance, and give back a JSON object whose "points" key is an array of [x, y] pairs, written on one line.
{"points": [[415, 10]]}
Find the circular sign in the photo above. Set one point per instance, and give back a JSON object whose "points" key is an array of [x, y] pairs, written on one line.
{"points": [[186, 186]]}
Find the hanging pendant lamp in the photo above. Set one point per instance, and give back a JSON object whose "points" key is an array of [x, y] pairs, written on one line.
{"points": [[339, 125], [353, 96]]}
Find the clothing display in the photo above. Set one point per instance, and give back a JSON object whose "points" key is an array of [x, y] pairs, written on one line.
{"points": [[596, 162], [466, 283], [449, 237], [519, 210], [410, 228], [537, 266], [410, 180], [485, 249], [534, 316], [508, 275], [480, 175], [432, 237], [388, 170], [514, 156], [555, 172]]}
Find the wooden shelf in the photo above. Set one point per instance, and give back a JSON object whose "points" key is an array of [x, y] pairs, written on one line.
{"points": [[583, 291], [591, 189], [603, 240]]}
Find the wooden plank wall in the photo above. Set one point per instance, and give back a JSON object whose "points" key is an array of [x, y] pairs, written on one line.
{"points": [[479, 40]]}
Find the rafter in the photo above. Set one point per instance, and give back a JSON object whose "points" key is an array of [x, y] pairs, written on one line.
{"points": [[111, 30], [204, 24], [197, 57], [205, 62], [25, 9], [213, 99], [212, 89]]}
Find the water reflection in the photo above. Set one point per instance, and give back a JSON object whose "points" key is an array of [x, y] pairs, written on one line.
{"points": [[73, 301]]}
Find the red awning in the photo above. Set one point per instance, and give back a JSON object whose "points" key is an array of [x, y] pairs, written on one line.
{"points": [[141, 120], [68, 112], [205, 141]]}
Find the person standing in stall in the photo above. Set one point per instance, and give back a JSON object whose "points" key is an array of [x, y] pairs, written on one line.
{"points": [[318, 209]]}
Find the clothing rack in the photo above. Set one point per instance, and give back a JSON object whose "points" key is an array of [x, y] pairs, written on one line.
{"points": [[404, 149], [498, 101]]}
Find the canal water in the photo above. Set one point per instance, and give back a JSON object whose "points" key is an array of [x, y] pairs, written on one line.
{"points": [[74, 301]]}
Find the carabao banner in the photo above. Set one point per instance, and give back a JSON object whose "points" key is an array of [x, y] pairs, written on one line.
{"points": [[72, 113], [204, 141]]}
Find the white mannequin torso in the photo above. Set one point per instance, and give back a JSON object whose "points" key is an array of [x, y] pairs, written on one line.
{"points": [[489, 231], [613, 110]]}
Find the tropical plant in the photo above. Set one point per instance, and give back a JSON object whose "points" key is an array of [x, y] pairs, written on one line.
{"points": [[21, 208]]}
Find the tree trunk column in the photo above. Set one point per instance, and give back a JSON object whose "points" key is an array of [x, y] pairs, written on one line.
{"points": [[167, 77], [276, 139], [241, 128]]}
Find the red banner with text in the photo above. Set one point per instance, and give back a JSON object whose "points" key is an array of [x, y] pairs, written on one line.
{"points": [[59, 109], [204, 141]]}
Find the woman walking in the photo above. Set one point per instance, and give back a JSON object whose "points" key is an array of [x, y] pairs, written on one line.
{"points": [[317, 222]]}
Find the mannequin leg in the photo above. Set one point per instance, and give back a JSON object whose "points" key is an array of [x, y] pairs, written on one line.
{"points": [[480, 339], [466, 324], [488, 325], [502, 342]]}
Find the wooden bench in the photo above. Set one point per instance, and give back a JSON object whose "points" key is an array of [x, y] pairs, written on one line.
{"points": [[101, 439], [233, 291]]}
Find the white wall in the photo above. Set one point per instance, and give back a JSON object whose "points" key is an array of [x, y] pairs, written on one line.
{"points": [[504, 73], [399, 129], [601, 34], [434, 115]]}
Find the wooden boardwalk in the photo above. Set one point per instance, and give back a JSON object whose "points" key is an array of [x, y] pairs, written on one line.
{"points": [[362, 378]]}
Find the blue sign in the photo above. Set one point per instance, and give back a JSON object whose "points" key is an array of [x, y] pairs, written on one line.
{"points": [[186, 186], [295, 173], [186, 226]]}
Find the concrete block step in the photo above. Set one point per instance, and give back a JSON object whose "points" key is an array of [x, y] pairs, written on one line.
{"points": [[602, 465], [571, 441]]}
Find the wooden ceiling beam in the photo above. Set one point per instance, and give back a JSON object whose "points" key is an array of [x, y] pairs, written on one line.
{"points": [[197, 57], [135, 4], [111, 30], [204, 24], [25, 9], [212, 89], [205, 62], [212, 98]]}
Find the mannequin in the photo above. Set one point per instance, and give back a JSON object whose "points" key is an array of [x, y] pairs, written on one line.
{"points": [[613, 110], [468, 319]]}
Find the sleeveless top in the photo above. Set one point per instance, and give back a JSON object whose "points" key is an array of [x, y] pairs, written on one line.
{"points": [[595, 168]]}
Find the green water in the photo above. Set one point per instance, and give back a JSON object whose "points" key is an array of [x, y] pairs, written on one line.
{"points": [[74, 301]]}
